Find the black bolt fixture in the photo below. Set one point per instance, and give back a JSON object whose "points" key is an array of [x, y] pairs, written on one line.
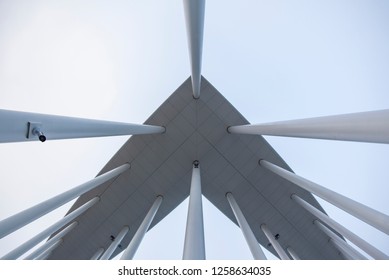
{"points": [[36, 131]]}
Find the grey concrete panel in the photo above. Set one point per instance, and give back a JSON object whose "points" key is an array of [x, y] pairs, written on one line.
{"points": [[161, 165]]}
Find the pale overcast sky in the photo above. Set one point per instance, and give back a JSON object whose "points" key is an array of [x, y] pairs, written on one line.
{"points": [[119, 60]]}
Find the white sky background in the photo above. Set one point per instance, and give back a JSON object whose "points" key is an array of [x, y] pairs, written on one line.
{"points": [[119, 60]]}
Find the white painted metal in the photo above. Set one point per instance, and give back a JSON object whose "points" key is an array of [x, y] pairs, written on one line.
{"points": [[49, 244], [341, 244], [47, 253], [280, 251], [292, 253], [347, 254], [17, 252], [108, 253], [194, 246], [44, 249], [248, 234], [194, 18], [98, 253], [21, 219], [14, 127], [370, 126], [140, 233], [366, 247], [363, 212], [43, 256]]}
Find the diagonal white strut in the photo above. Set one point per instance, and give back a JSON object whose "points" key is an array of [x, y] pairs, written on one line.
{"points": [[273, 241], [194, 18], [370, 126], [44, 255], [115, 243], [373, 217], [143, 228], [48, 246], [371, 250], [248, 234], [98, 254], [293, 253], [25, 217], [23, 126], [20, 250], [340, 243]]}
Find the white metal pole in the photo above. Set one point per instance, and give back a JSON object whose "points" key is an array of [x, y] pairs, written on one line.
{"points": [[14, 254], [140, 233], [339, 241], [366, 214], [194, 246], [21, 219], [280, 251], [194, 18], [47, 253], [370, 126], [248, 234], [108, 253], [292, 253], [45, 247], [98, 253], [43, 256], [366, 247], [24, 126], [343, 249]]}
